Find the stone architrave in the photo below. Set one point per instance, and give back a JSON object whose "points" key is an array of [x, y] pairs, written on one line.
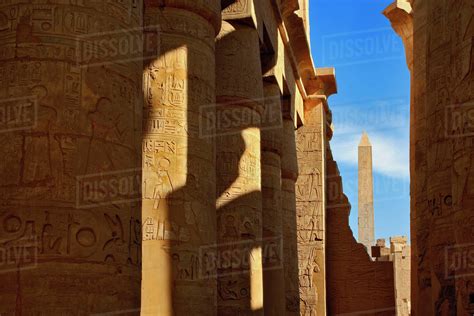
{"points": [[366, 195], [179, 220], [310, 212], [69, 173], [238, 153], [272, 217]]}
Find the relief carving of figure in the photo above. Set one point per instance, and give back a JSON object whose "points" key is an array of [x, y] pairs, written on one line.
{"points": [[308, 268], [163, 185], [39, 143], [157, 183], [309, 186], [104, 123]]}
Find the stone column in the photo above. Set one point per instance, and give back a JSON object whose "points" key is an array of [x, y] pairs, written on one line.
{"points": [[273, 273], [289, 174], [447, 104], [179, 160], [441, 156], [310, 212], [400, 14], [239, 196], [366, 195], [69, 179], [419, 219]]}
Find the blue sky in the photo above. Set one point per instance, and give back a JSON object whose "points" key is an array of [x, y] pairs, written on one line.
{"points": [[374, 95]]}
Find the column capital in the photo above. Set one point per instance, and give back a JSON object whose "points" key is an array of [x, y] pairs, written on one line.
{"points": [[400, 14], [208, 9]]}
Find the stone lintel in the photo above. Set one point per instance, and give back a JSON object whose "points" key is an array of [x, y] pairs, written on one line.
{"points": [[328, 76], [238, 10], [313, 86]]}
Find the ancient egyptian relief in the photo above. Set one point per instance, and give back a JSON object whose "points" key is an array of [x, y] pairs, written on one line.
{"points": [[310, 213], [85, 124], [239, 200], [178, 187]]}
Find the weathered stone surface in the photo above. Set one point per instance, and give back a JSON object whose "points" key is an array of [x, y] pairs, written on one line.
{"points": [[178, 209], [366, 194], [310, 213], [239, 192], [401, 265], [355, 283], [73, 251], [231, 217], [441, 151], [272, 217], [289, 173]]}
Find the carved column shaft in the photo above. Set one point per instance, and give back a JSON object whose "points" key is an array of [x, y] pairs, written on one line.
{"points": [[69, 182], [273, 273], [289, 173], [438, 41], [179, 161], [444, 99], [239, 197]]}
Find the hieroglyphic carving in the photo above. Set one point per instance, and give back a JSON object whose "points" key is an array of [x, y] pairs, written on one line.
{"points": [[239, 201], [441, 83], [178, 187], [272, 210], [311, 213], [76, 235], [289, 170], [238, 10], [86, 123]]}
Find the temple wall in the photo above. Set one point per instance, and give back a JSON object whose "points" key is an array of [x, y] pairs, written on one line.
{"points": [[311, 212], [355, 283]]}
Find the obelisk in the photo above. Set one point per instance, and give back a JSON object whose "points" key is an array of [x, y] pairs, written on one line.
{"points": [[366, 194]]}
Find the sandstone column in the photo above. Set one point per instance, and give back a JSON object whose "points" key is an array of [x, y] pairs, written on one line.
{"points": [[239, 196], [289, 174], [179, 161], [310, 211], [273, 273], [441, 157], [69, 180], [366, 195]]}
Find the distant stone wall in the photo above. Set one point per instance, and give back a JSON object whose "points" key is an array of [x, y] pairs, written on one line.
{"points": [[401, 265], [355, 283]]}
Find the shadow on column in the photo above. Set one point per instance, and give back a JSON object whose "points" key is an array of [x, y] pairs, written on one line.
{"points": [[178, 166]]}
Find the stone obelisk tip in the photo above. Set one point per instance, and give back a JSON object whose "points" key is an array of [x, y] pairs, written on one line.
{"points": [[364, 141]]}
